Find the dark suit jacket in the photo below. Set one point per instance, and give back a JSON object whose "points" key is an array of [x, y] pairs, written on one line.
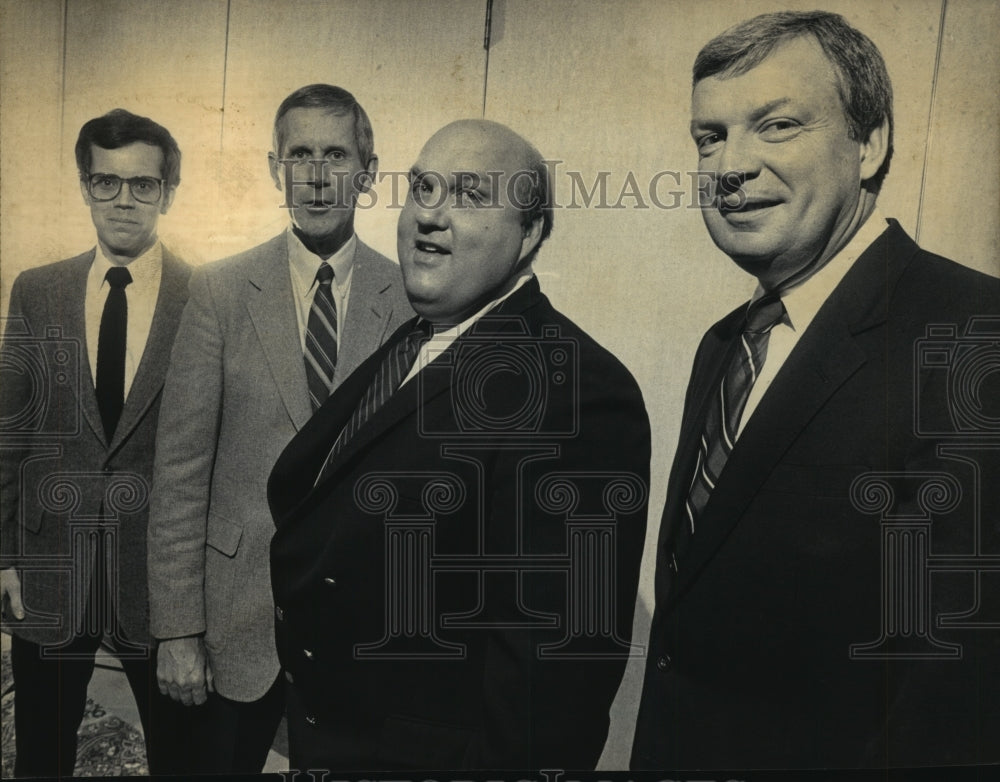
{"points": [[422, 586], [779, 641], [58, 471], [235, 395]]}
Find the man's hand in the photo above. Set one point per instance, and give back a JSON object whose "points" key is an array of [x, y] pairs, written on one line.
{"points": [[10, 590], [183, 671]]}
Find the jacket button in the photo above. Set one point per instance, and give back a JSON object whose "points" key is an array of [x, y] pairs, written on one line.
{"points": [[329, 581], [664, 662], [289, 678], [309, 655], [279, 613]]}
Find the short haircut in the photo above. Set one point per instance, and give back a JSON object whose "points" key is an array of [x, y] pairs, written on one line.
{"points": [[863, 81], [337, 101], [119, 128]]}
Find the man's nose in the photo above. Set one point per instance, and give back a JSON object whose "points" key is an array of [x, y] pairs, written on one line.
{"points": [[317, 172], [739, 162], [429, 210], [125, 199]]}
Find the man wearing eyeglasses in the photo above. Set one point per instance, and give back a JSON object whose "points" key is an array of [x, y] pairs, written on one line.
{"points": [[84, 360], [266, 336]]}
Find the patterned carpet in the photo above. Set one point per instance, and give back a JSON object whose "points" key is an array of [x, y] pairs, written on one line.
{"points": [[107, 745]]}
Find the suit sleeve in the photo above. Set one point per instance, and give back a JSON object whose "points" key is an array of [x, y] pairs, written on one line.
{"points": [[15, 398], [186, 439], [539, 689]]}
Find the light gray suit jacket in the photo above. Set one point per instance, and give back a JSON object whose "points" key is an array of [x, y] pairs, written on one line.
{"points": [[235, 394], [62, 483]]}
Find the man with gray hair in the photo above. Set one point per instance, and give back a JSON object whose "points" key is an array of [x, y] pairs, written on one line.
{"points": [[796, 622], [266, 337]]}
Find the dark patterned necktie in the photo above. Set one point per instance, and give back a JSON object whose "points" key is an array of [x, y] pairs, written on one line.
{"points": [[394, 368], [111, 350], [726, 409], [321, 339]]}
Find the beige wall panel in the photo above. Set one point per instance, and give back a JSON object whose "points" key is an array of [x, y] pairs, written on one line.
{"points": [[606, 87], [413, 66], [31, 89], [960, 217]]}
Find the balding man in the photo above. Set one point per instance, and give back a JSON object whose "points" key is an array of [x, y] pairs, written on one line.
{"points": [[460, 525]]}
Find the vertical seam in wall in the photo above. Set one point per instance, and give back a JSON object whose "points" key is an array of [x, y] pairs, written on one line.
{"points": [[930, 119], [64, 34], [62, 69], [225, 73], [487, 43]]}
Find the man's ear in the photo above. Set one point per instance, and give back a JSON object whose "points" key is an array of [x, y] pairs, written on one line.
{"points": [[366, 179], [84, 191], [274, 166], [531, 238], [872, 151], [168, 198]]}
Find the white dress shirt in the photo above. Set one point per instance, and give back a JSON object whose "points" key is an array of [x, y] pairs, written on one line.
{"points": [[802, 302], [303, 265], [140, 294], [442, 340]]}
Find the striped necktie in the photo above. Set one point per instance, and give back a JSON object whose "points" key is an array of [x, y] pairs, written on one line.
{"points": [[321, 338], [724, 413], [396, 365]]}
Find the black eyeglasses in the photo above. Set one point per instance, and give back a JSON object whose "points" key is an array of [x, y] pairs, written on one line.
{"points": [[106, 187]]}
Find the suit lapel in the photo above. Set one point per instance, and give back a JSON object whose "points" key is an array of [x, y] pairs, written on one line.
{"points": [[425, 387], [369, 312], [272, 310], [825, 357], [68, 309], [703, 391], [155, 359]]}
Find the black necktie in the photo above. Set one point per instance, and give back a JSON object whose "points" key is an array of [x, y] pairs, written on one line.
{"points": [[321, 338], [111, 350], [724, 413], [394, 368]]}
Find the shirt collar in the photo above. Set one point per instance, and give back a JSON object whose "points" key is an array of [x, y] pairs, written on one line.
{"points": [[143, 268], [803, 301], [305, 264]]}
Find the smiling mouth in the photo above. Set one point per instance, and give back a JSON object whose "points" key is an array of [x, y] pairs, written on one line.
{"points": [[737, 204], [431, 248]]}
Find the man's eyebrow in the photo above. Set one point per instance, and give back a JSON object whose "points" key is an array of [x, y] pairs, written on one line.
{"points": [[755, 115], [767, 108]]}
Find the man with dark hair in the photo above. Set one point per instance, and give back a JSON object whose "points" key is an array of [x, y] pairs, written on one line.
{"points": [[459, 527], [268, 334], [84, 361], [797, 622]]}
